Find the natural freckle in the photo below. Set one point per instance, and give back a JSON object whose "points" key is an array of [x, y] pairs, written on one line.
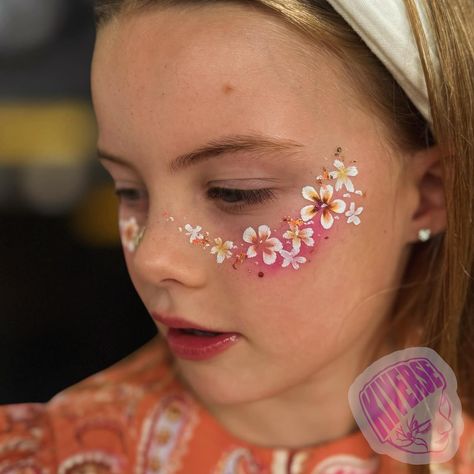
{"points": [[228, 88], [261, 274]]}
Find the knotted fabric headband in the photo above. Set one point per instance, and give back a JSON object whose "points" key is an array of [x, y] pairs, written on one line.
{"points": [[385, 27]]}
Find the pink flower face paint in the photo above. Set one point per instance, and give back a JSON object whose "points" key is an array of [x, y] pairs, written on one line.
{"points": [[263, 249]]}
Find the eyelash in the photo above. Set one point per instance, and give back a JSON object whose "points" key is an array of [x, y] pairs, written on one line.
{"points": [[248, 196], [128, 194], [245, 197]]}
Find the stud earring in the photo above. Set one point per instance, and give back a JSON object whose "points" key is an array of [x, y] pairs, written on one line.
{"points": [[424, 235]]}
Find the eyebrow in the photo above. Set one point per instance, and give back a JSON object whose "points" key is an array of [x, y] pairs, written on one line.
{"points": [[230, 144]]}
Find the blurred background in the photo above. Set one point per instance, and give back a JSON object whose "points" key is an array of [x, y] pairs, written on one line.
{"points": [[67, 306]]}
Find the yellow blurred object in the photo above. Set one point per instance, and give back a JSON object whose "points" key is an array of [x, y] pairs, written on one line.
{"points": [[95, 221], [59, 132]]}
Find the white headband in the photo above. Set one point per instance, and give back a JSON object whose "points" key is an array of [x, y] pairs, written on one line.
{"points": [[385, 28]]}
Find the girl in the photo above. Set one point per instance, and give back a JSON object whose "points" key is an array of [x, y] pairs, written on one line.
{"points": [[296, 186]]}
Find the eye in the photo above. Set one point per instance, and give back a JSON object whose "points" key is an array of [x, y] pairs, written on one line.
{"points": [[131, 197], [241, 198]]}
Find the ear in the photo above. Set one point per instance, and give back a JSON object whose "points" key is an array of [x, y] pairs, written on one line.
{"points": [[427, 177]]}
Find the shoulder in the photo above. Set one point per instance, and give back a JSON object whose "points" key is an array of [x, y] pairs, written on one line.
{"points": [[26, 438], [94, 422], [466, 444]]}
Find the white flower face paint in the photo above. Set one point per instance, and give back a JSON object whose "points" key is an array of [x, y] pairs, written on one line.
{"points": [[298, 235], [342, 175], [130, 233], [353, 214], [285, 248], [222, 249], [290, 257], [262, 243], [322, 202], [193, 232]]}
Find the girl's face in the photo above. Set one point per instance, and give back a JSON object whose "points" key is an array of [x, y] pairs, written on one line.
{"points": [[309, 293]]}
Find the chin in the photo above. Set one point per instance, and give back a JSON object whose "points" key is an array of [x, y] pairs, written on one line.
{"points": [[225, 389]]}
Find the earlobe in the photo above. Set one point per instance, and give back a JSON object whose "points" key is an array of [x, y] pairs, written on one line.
{"points": [[431, 210]]}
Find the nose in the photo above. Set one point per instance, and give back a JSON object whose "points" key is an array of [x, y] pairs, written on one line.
{"points": [[164, 255]]}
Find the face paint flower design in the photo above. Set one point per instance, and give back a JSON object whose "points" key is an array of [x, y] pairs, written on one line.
{"points": [[262, 242], [222, 249], [298, 235], [353, 214], [271, 248], [322, 201], [130, 233], [342, 175], [193, 233], [291, 257]]}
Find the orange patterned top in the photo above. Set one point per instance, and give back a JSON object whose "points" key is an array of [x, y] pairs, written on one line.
{"points": [[137, 417]]}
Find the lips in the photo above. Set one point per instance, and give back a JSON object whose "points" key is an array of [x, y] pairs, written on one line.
{"points": [[174, 322], [192, 341]]}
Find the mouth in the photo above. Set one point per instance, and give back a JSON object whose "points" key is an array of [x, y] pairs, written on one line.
{"points": [[197, 345], [196, 332], [182, 326]]}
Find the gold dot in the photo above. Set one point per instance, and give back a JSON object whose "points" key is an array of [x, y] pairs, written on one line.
{"points": [[163, 436], [173, 413], [155, 464]]}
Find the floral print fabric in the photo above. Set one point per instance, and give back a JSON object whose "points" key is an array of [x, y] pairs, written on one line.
{"points": [[137, 417]]}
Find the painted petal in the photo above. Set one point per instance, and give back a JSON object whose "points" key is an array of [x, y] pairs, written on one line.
{"points": [[349, 185], [339, 164], [301, 259], [264, 232], [269, 257], [294, 252], [333, 174], [220, 258], [310, 194], [339, 183], [326, 219], [326, 193], [305, 233], [285, 263], [214, 250], [296, 244], [188, 228], [288, 234], [309, 241], [285, 254], [352, 171], [350, 212], [274, 244], [295, 264], [359, 211], [307, 213], [356, 220], [198, 228], [251, 252], [229, 245], [249, 236], [338, 206]]}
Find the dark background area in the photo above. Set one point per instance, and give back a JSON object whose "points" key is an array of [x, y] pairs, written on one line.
{"points": [[67, 306]]}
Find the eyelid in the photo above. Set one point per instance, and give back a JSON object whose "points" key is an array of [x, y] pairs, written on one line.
{"points": [[249, 197], [130, 195]]}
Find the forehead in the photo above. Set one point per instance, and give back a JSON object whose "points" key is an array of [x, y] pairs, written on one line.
{"points": [[204, 67]]}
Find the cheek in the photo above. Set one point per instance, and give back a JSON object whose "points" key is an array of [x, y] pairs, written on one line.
{"points": [[131, 229]]}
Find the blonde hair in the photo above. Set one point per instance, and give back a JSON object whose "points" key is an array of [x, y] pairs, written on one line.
{"points": [[437, 290]]}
